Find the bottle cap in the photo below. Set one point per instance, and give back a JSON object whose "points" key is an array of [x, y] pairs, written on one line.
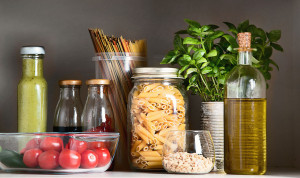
{"points": [[98, 82], [244, 40], [32, 50], [70, 82], [155, 72]]}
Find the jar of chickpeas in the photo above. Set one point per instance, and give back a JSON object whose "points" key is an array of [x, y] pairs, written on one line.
{"points": [[157, 104]]}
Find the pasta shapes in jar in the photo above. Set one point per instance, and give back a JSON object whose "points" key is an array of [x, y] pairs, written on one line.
{"points": [[156, 108]]}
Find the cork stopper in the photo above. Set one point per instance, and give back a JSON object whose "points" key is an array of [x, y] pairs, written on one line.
{"points": [[244, 40]]}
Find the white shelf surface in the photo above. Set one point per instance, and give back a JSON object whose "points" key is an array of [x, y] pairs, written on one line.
{"points": [[274, 172]]}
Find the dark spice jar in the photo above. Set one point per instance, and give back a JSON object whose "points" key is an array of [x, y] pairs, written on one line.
{"points": [[97, 115], [69, 107]]}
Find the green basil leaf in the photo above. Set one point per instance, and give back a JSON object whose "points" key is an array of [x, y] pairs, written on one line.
{"points": [[261, 33], [268, 52], [184, 60], [192, 23], [255, 61], [212, 53], [190, 40], [215, 70], [274, 35], [216, 35], [183, 69], [213, 26], [190, 48], [231, 40], [231, 27], [204, 65], [277, 47], [168, 57], [274, 63], [198, 54], [221, 79], [252, 29], [243, 26], [206, 70], [201, 60], [189, 71], [178, 44], [181, 32], [230, 57], [205, 28], [192, 80]]}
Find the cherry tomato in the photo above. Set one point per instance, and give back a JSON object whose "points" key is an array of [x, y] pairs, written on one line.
{"points": [[103, 156], [51, 143], [30, 158], [89, 159], [69, 159], [95, 145], [79, 146], [49, 159], [33, 143]]}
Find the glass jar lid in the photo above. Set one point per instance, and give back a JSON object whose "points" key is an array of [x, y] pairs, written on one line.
{"points": [[155, 72], [70, 82], [98, 82]]}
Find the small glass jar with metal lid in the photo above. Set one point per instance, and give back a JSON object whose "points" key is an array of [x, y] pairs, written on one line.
{"points": [[97, 115], [157, 104], [69, 107]]}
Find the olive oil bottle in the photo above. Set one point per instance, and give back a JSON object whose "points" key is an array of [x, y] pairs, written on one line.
{"points": [[245, 115]]}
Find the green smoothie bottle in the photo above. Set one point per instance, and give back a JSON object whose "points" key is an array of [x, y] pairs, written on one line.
{"points": [[32, 91]]}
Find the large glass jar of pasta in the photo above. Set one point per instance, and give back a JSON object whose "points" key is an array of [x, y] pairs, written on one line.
{"points": [[157, 104]]}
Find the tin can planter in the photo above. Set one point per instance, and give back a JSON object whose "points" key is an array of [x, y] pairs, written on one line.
{"points": [[212, 119]]}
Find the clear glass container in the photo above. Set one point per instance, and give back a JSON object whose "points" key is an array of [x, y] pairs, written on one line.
{"points": [[245, 115], [189, 152], [14, 148], [69, 107], [157, 104], [32, 91], [97, 115]]}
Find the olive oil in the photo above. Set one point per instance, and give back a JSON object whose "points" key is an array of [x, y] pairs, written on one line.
{"points": [[245, 136], [245, 115]]}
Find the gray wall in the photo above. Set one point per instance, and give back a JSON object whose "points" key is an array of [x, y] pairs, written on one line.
{"points": [[61, 26]]}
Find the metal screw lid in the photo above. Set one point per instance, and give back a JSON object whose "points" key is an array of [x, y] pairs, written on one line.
{"points": [[98, 82], [155, 72], [32, 50], [70, 82]]}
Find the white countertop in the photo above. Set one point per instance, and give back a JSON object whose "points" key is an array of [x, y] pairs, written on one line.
{"points": [[274, 172]]}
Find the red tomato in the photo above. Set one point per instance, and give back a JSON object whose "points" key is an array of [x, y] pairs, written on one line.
{"points": [[33, 143], [95, 145], [103, 156], [30, 158], [89, 159], [79, 146], [51, 143], [69, 159], [49, 159]]}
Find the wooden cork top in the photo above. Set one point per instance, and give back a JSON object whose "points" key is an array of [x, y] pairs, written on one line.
{"points": [[244, 40]]}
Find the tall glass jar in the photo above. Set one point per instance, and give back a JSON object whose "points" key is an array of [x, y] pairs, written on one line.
{"points": [[97, 115], [245, 115], [157, 104], [69, 107], [32, 91]]}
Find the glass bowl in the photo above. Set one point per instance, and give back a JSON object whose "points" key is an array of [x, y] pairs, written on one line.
{"points": [[54, 152], [188, 152]]}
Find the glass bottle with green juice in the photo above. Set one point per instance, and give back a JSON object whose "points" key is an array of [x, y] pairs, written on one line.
{"points": [[32, 91]]}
